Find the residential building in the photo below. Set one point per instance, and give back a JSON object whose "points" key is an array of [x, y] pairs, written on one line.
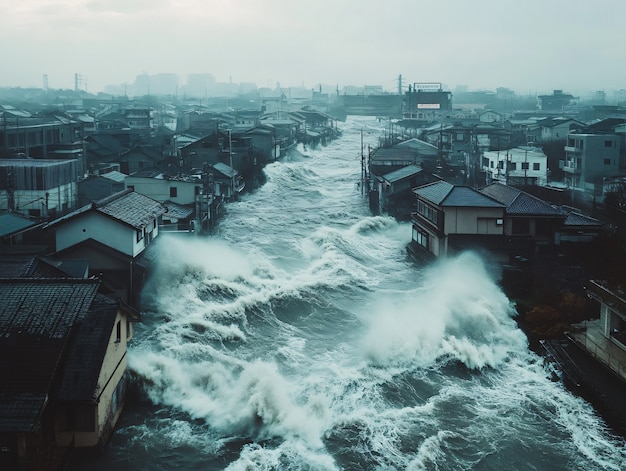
{"points": [[98, 186], [411, 152], [526, 216], [590, 159], [44, 136], [65, 384], [525, 165], [452, 218], [38, 187], [111, 234], [555, 102], [557, 128], [604, 339], [394, 189]]}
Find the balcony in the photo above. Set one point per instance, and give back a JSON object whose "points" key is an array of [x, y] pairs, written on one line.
{"points": [[573, 150], [569, 167]]}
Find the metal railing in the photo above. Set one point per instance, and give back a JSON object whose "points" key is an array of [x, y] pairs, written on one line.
{"points": [[602, 354]]}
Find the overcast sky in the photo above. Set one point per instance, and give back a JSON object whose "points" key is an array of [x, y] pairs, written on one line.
{"points": [[531, 46]]}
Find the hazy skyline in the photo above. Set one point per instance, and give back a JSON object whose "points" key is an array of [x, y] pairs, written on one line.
{"points": [[529, 46]]}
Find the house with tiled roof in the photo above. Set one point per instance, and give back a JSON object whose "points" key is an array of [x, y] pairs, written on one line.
{"points": [[557, 128], [394, 189], [527, 215], [63, 374], [451, 218], [110, 233]]}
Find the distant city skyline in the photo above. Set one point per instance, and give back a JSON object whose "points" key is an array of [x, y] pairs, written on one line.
{"points": [[531, 47]]}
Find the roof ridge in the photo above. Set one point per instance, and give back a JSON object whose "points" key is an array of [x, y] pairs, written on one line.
{"points": [[111, 198]]}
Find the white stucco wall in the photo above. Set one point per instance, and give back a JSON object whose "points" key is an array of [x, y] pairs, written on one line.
{"points": [[93, 225]]}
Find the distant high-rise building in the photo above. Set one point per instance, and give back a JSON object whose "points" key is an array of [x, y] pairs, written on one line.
{"points": [[164, 84], [200, 85]]}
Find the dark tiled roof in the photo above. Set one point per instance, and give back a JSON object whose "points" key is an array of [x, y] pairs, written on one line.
{"points": [[468, 197], [17, 266], [434, 192], [575, 219], [128, 207], [443, 193], [132, 208], [520, 203], [86, 353], [36, 318]]}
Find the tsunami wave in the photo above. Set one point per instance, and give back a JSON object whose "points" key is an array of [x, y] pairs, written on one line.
{"points": [[302, 337]]}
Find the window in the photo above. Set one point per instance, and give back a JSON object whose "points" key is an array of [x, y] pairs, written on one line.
{"points": [[420, 237], [607, 161], [608, 143], [536, 166], [173, 192], [525, 166], [139, 234], [118, 332], [512, 165], [491, 164], [501, 165], [427, 211]]}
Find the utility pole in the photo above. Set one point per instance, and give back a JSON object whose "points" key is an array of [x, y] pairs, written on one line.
{"points": [[230, 162], [363, 169]]}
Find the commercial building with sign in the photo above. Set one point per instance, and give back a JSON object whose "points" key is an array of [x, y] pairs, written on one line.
{"points": [[425, 98]]}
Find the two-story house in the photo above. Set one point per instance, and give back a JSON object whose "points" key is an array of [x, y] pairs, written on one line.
{"points": [[453, 218], [526, 216], [111, 234]]}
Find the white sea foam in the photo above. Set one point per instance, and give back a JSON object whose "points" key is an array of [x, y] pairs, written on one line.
{"points": [[458, 312], [387, 364]]}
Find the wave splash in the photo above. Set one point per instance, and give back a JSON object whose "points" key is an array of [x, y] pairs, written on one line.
{"points": [[458, 312]]}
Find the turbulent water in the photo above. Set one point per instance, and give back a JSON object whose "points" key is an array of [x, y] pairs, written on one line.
{"points": [[300, 336]]}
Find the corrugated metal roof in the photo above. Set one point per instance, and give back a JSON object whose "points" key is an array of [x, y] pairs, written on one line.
{"points": [[115, 176], [401, 173], [225, 169], [11, 223]]}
